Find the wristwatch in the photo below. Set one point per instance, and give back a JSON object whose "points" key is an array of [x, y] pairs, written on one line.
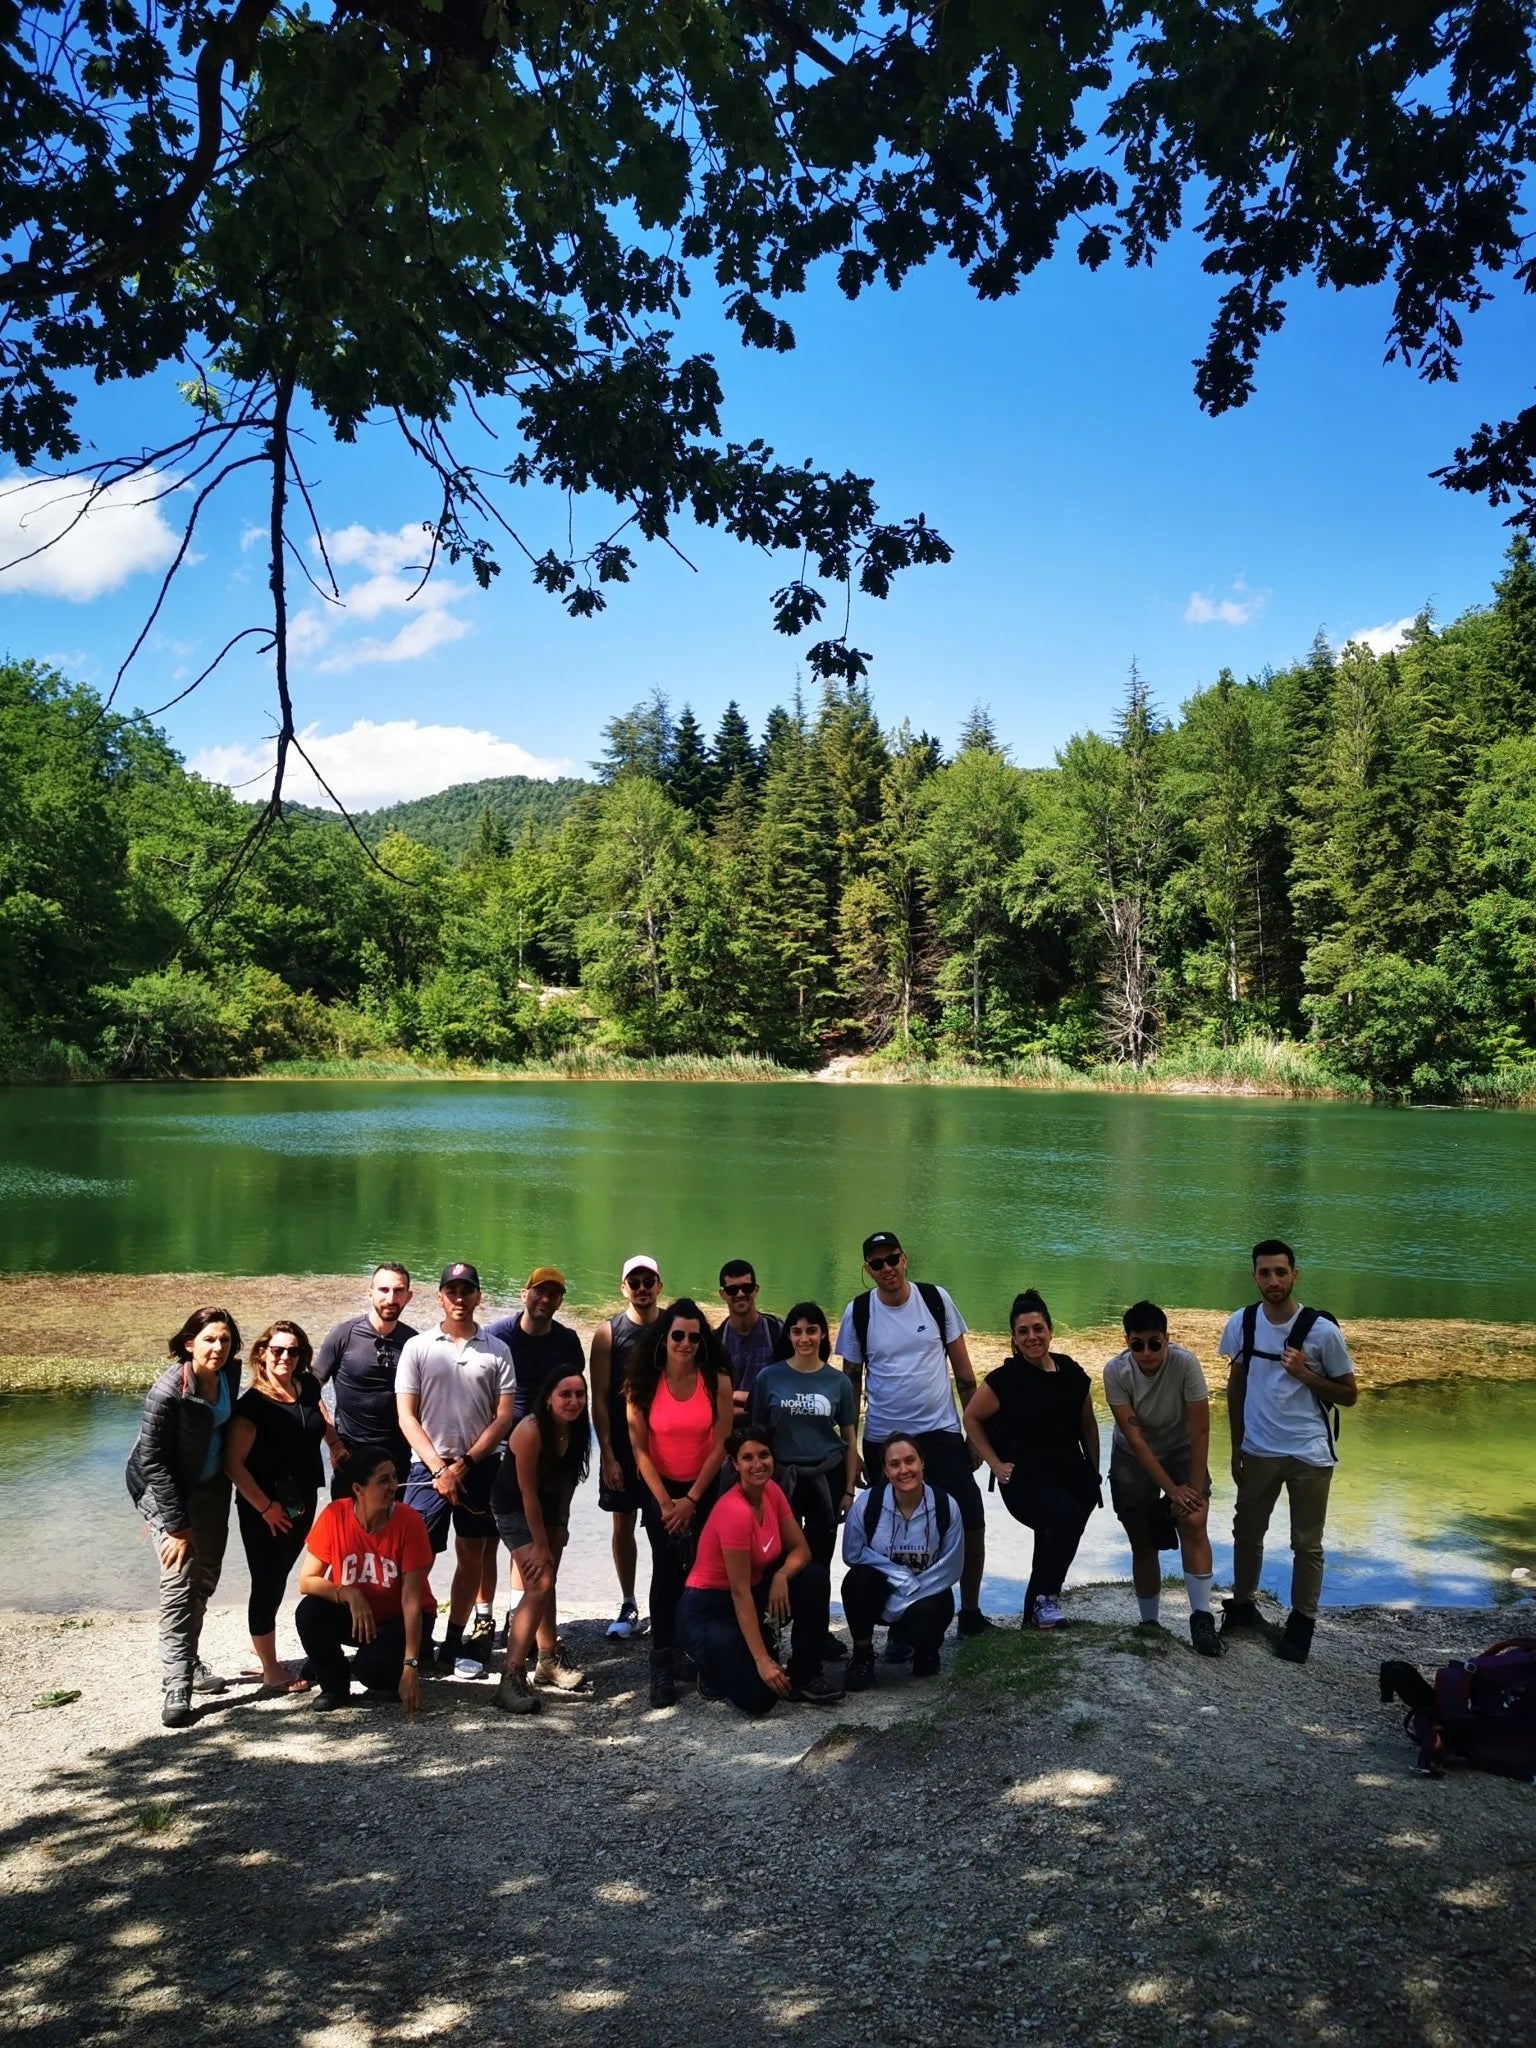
{"points": [[413, 1663]]}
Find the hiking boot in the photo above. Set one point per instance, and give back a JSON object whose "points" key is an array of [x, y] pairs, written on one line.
{"points": [[514, 1695], [834, 1650], [861, 1668], [707, 1692], [328, 1702], [206, 1680], [818, 1691], [897, 1649], [625, 1623], [684, 1668], [1295, 1638], [444, 1658], [925, 1663], [973, 1622], [1240, 1614], [1202, 1633], [479, 1640], [555, 1671], [176, 1706], [663, 1680]]}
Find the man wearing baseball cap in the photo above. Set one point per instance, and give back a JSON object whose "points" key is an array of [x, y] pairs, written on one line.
{"points": [[457, 1395], [538, 1344], [898, 1342], [620, 1490]]}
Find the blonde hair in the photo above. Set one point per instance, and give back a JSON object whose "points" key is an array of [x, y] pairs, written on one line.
{"points": [[258, 1355]]}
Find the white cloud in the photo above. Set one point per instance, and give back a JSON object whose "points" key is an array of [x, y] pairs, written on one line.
{"points": [[370, 764], [324, 635], [57, 540], [1385, 639], [1238, 608]]}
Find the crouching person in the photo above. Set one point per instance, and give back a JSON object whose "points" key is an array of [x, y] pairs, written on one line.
{"points": [[904, 1545], [363, 1582], [1159, 1465], [753, 1560]]}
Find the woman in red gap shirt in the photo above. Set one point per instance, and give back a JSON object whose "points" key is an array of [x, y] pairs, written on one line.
{"points": [[753, 1560], [363, 1580]]}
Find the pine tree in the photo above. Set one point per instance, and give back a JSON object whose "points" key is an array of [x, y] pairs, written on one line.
{"points": [[489, 843], [638, 742], [1513, 709], [978, 734], [690, 777], [852, 755], [779, 736], [973, 833], [733, 754], [793, 902]]}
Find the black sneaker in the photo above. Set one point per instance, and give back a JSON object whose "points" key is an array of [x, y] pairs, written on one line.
{"points": [[328, 1702], [663, 1684], [861, 1669], [925, 1663], [897, 1649], [819, 1691], [1202, 1633], [176, 1706], [685, 1668], [1238, 1614], [707, 1692], [1295, 1642], [973, 1622], [834, 1650]]}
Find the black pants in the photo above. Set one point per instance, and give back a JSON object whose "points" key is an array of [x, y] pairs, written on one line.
{"points": [[708, 1630], [1056, 1506], [814, 1507], [865, 1592], [325, 1630], [671, 1562], [271, 1558]]}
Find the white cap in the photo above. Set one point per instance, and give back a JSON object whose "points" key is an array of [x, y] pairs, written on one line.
{"points": [[641, 1262]]}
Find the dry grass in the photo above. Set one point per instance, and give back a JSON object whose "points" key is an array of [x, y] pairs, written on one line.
{"points": [[78, 1332]]}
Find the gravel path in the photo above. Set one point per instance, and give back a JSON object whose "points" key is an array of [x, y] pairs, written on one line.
{"points": [[1095, 1838]]}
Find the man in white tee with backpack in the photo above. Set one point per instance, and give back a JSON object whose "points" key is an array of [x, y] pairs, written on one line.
{"points": [[898, 1342], [1290, 1373]]}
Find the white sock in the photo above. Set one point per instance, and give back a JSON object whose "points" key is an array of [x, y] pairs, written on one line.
{"points": [[1199, 1586], [1148, 1603], [484, 1611]]}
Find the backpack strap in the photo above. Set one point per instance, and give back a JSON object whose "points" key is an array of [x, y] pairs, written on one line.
{"points": [[934, 1302], [861, 1320], [874, 1501], [932, 1299], [1306, 1321]]}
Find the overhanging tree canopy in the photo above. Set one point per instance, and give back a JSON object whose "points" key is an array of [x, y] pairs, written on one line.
{"points": [[405, 208]]}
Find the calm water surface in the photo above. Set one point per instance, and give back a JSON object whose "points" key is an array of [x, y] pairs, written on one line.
{"points": [[1094, 1198], [1432, 1504]]}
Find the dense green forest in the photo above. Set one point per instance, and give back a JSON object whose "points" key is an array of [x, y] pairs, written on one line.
{"points": [[1329, 871], [447, 821]]}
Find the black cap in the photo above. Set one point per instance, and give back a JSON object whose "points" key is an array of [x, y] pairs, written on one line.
{"points": [[460, 1275], [882, 1241]]}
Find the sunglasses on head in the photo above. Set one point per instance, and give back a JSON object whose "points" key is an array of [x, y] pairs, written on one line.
{"points": [[1148, 1343], [886, 1260]]}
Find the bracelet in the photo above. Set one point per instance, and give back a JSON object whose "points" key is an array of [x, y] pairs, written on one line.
{"points": [[692, 1499]]}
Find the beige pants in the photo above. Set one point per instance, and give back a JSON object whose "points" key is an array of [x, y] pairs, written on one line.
{"points": [[1257, 1493]]}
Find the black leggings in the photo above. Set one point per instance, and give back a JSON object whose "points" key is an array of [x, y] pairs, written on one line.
{"points": [[271, 1558], [708, 1630], [671, 1562], [325, 1630], [865, 1592], [1056, 1507]]}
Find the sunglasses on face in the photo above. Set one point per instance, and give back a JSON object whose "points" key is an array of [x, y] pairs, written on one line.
{"points": [[282, 1351], [1148, 1343], [739, 1287], [641, 1280], [881, 1265], [682, 1336]]}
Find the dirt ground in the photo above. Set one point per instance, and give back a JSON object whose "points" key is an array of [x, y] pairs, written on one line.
{"points": [[72, 1332], [1094, 1837]]}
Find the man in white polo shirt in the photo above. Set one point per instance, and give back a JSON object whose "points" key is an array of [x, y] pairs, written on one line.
{"points": [[456, 1393], [1290, 1370], [898, 1342]]}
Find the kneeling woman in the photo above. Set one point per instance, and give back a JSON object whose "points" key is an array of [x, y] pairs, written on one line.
{"points": [[363, 1581], [547, 1459], [1033, 1422], [753, 1560], [903, 1544]]}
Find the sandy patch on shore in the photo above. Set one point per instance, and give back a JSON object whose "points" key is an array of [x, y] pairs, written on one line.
{"points": [[64, 1332], [1103, 1841]]}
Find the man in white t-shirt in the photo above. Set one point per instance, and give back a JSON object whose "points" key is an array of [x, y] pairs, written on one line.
{"points": [[1159, 1465], [898, 1342], [1279, 1402]]}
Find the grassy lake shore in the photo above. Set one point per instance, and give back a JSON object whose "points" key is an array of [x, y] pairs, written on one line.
{"points": [[106, 1332]]}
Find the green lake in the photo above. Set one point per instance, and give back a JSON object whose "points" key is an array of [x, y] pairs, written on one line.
{"points": [[1095, 1199]]}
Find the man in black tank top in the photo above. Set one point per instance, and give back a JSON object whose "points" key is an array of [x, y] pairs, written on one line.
{"points": [[619, 1487]]}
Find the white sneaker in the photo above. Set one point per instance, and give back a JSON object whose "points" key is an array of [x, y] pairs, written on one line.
{"points": [[468, 1667], [625, 1623]]}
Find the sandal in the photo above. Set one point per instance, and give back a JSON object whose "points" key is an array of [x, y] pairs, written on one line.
{"points": [[295, 1682]]}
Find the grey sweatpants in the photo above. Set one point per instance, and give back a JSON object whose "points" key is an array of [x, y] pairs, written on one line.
{"points": [[186, 1591]]}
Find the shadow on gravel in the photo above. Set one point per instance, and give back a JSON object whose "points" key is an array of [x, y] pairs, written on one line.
{"points": [[1093, 1839]]}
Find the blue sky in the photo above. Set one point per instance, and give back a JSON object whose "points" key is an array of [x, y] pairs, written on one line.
{"points": [[1053, 439]]}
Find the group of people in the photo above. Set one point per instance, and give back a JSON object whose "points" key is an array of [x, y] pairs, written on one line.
{"points": [[742, 1451]]}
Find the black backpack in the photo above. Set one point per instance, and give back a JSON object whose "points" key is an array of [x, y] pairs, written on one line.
{"points": [[1301, 1329], [931, 1296], [874, 1501]]}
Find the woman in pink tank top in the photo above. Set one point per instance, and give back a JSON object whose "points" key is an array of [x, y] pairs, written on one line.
{"points": [[678, 1400]]}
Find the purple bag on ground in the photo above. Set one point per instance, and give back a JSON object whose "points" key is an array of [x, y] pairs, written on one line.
{"points": [[1479, 1710]]}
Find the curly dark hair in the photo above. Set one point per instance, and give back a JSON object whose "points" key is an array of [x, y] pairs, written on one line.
{"points": [[649, 1361], [559, 1469]]}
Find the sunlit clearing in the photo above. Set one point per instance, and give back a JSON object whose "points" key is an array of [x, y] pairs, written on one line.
{"points": [[1062, 1788]]}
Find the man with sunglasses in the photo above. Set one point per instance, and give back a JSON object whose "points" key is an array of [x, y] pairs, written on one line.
{"points": [[620, 1491], [358, 1358], [898, 1343], [750, 1337], [1159, 1465], [456, 1394]]}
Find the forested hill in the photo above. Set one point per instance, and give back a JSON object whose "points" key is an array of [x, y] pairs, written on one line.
{"points": [[1333, 863], [448, 821]]}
